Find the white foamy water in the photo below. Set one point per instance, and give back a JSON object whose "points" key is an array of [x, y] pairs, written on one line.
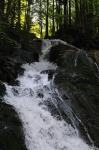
{"points": [[42, 131]]}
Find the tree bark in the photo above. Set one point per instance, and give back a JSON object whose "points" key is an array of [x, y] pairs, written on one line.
{"points": [[76, 12], [65, 13], [69, 12], [53, 28], [19, 14], [2, 3], [47, 13], [41, 19]]}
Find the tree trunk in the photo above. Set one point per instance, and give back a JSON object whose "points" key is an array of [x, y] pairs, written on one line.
{"points": [[40, 18], [19, 14], [59, 13], [47, 13], [2, 3], [27, 16], [65, 13], [8, 10], [57, 22], [76, 12], [13, 14], [53, 28], [69, 12]]}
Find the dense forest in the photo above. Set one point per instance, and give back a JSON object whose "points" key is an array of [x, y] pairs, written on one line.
{"points": [[48, 18]]}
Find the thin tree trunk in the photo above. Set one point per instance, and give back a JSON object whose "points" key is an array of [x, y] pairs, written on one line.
{"points": [[53, 28], [59, 13], [65, 13], [19, 14], [40, 18], [8, 11], [47, 13], [13, 14], [70, 12], [57, 22], [76, 12], [2, 3], [27, 16], [81, 15]]}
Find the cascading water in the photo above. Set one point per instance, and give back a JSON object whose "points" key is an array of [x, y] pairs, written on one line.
{"points": [[42, 130]]}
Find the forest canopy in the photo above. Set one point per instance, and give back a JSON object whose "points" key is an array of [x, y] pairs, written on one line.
{"points": [[46, 17]]}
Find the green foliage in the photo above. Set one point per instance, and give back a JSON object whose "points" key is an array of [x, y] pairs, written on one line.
{"points": [[30, 16]]}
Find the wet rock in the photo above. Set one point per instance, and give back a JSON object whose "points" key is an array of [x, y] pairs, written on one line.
{"points": [[15, 91], [78, 77], [53, 109], [9, 70], [32, 50], [49, 72], [26, 56], [36, 57], [31, 45], [56, 53], [40, 93], [22, 92], [2, 89], [11, 133]]}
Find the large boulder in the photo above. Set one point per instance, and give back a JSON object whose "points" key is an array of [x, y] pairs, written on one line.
{"points": [[11, 133], [77, 79], [9, 70]]}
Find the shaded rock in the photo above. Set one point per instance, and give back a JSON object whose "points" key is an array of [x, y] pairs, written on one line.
{"points": [[40, 93], [49, 72], [11, 134], [56, 53], [7, 45], [78, 77], [52, 109], [9, 70], [2, 89], [24, 56], [19, 45], [34, 45], [32, 48]]}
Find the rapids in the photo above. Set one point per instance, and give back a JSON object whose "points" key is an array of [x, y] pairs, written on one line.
{"points": [[42, 130]]}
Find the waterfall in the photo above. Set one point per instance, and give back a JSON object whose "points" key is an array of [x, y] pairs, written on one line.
{"points": [[42, 130]]}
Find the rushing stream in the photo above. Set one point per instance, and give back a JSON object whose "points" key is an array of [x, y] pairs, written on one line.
{"points": [[42, 130]]}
